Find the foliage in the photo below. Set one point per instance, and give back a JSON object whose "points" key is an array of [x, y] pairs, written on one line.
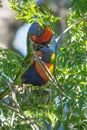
{"points": [[61, 103], [30, 12], [80, 7], [10, 62]]}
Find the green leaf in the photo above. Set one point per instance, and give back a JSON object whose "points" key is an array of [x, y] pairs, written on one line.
{"points": [[10, 63]]}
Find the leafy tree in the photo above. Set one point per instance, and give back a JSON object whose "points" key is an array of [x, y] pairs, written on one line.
{"points": [[61, 103]]}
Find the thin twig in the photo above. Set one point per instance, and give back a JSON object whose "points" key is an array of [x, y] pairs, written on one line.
{"points": [[56, 43], [13, 92], [47, 72], [7, 106], [66, 30], [59, 37], [12, 120]]}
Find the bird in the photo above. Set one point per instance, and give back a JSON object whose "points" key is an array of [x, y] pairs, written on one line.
{"points": [[34, 74], [40, 34]]}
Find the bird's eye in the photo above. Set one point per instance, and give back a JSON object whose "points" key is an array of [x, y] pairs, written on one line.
{"points": [[39, 32]]}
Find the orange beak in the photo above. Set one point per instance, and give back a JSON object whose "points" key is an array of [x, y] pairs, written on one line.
{"points": [[39, 54]]}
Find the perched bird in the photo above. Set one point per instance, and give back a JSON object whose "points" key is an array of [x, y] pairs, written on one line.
{"points": [[39, 34], [35, 75]]}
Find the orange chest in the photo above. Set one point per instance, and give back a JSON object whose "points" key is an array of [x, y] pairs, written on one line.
{"points": [[44, 38], [41, 72]]}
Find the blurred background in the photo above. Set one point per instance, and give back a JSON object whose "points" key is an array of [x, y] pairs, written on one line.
{"points": [[13, 32]]}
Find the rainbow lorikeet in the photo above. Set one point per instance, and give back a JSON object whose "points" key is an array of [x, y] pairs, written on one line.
{"points": [[39, 34], [35, 75]]}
